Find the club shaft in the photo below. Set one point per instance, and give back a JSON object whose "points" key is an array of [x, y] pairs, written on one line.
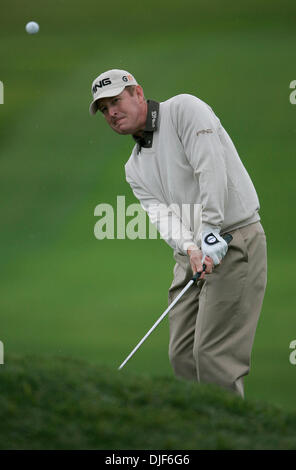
{"points": [[156, 323], [227, 237]]}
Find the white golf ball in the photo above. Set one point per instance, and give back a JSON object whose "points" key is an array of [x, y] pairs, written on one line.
{"points": [[32, 27]]}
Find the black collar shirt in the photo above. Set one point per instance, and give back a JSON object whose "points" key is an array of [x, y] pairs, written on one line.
{"points": [[146, 139]]}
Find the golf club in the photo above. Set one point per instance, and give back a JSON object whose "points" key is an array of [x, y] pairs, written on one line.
{"points": [[227, 237]]}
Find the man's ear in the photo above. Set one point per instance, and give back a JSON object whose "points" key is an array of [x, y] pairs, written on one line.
{"points": [[140, 93]]}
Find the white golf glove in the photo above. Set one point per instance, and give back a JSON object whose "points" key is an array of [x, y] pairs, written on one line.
{"points": [[213, 245]]}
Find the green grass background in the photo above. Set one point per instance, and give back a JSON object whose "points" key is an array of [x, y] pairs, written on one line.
{"points": [[62, 291], [65, 403]]}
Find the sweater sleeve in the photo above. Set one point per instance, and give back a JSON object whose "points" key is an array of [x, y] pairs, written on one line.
{"points": [[165, 218], [197, 128]]}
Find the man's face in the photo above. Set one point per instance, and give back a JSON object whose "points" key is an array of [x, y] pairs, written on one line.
{"points": [[125, 113]]}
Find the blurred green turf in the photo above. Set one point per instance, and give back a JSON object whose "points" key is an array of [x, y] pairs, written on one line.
{"points": [[61, 290], [54, 403]]}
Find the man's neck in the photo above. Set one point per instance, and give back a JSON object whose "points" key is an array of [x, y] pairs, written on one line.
{"points": [[140, 132]]}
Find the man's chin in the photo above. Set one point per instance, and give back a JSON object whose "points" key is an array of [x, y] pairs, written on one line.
{"points": [[122, 130]]}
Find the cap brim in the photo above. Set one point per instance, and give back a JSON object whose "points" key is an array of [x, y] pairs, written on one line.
{"points": [[106, 94]]}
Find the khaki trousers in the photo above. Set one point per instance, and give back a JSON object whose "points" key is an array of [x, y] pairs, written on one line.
{"points": [[212, 327]]}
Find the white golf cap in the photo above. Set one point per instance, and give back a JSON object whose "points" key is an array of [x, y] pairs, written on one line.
{"points": [[110, 83]]}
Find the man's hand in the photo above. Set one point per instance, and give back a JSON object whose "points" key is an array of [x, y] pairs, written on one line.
{"points": [[214, 246], [196, 256]]}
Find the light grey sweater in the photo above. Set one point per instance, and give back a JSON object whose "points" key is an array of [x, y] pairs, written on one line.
{"points": [[194, 163]]}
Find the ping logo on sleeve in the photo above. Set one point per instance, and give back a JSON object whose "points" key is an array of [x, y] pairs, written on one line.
{"points": [[204, 131]]}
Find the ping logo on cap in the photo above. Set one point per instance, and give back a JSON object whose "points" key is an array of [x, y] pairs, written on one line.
{"points": [[101, 83]]}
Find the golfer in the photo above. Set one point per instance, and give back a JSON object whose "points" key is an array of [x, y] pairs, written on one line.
{"points": [[183, 158]]}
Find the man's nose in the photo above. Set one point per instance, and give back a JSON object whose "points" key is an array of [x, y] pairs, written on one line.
{"points": [[112, 111]]}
